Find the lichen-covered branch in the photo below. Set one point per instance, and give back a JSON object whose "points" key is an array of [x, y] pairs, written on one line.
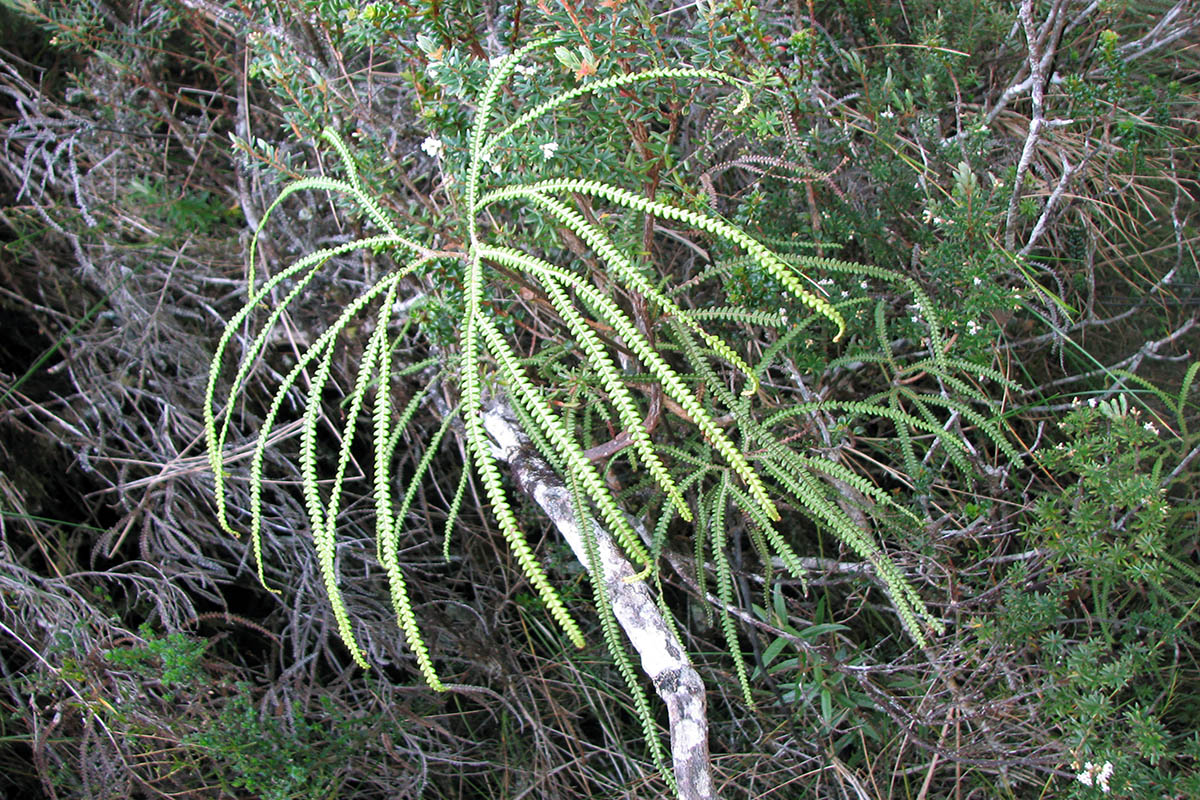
{"points": [[663, 657]]}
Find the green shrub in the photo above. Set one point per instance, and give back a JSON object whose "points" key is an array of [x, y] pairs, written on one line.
{"points": [[282, 756]]}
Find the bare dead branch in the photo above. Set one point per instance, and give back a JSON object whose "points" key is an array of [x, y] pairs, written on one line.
{"points": [[664, 658]]}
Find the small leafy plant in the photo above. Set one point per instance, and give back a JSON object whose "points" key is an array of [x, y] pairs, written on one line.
{"points": [[1111, 600], [172, 659], [282, 756]]}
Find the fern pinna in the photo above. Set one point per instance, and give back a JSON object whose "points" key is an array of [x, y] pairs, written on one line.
{"points": [[701, 481]]}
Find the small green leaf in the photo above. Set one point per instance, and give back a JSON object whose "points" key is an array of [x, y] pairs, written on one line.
{"points": [[820, 629]]}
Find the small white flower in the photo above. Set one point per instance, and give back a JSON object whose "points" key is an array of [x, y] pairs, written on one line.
{"points": [[978, 281], [864, 284], [528, 69], [927, 216], [433, 146], [1096, 775], [973, 327], [845, 294], [888, 114], [1091, 402], [1150, 426], [549, 149]]}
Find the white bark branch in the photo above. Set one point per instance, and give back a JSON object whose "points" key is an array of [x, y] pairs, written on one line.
{"points": [[1068, 172], [663, 656], [1172, 26], [1041, 47]]}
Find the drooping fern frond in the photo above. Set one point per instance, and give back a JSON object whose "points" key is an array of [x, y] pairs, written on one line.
{"points": [[763, 257], [802, 478], [725, 588], [670, 380]]}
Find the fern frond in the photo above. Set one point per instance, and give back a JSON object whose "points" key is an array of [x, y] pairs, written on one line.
{"points": [[701, 541], [323, 535], [386, 526], [716, 227], [765, 556], [215, 439], [855, 360], [607, 84], [840, 472], [489, 474], [983, 423], [375, 351], [957, 457], [324, 183], [814, 503], [539, 440], [725, 586], [618, 393], [387, 530], [483, 114], [747, 462], [863, 409], [1181, 400], [738, 316], [456, 504], [658, 537], [567, 447], [973, 368], [926, 306], [669, 378], [626, 272], [365, 200], [904, 435], [281, 392], [794, 474], [779, 546], [822, 264], [470, 345], [713, 270]]}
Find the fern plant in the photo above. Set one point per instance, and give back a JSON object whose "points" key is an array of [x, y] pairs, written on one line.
{"points": [[734, 466]]}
